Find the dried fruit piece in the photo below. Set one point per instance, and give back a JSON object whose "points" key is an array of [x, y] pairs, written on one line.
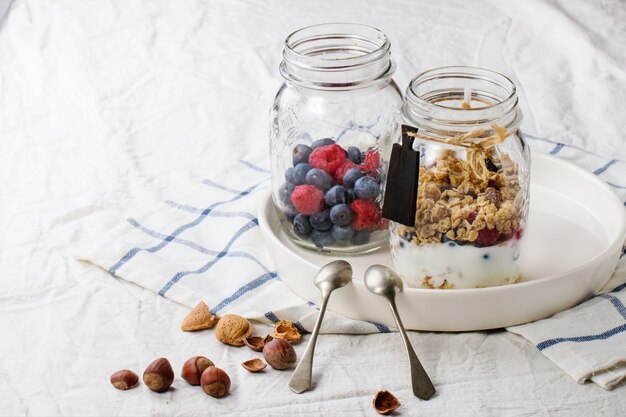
{"points": [[254, 365], [286, 330], [279, 354], [215, 382], [193, 369], [199, 318], [385, 402], [232, 329], [124, 379], [493, 195]]}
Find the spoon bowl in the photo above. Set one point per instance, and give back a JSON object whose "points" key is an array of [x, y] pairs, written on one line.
{"points": [[382, 281], [334, 275]]}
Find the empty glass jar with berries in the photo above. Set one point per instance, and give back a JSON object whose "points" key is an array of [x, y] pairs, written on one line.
{"points": [[473, 182], [331, 128]]}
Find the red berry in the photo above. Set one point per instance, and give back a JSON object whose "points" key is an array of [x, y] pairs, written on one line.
{"points": [[366, 214], [487, 237], [370, 161], [307, 199], [341, 171], [519, 233], [328, 158]]}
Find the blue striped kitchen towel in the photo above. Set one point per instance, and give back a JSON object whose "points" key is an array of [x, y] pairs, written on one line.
{"points": [[205, 244]]}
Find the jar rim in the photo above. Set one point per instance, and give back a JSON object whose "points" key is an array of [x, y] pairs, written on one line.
{"points": [[496, 87], [337, 56], [460, 71], [333, 31]]}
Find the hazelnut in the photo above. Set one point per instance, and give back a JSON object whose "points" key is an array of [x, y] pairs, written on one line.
{"points": [[233, 329], [279, 354], [385, 402], [254, 365], [124, 379], [285, 329], [193, 368], [159, 375], [215, 382], [256, 343], [199, 318]]}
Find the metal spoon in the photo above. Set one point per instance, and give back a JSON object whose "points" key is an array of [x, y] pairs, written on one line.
{"points": [[383, 281], [334, 275]]}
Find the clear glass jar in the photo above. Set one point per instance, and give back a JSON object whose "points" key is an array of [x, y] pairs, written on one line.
{"points": [[331, 128], [473, 198]]}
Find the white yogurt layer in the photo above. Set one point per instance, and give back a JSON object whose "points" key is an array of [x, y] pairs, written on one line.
{"points": [[429, 266]]}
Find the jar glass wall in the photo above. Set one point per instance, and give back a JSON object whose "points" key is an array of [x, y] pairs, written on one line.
{"points": [[331, 127], [473, 187]]}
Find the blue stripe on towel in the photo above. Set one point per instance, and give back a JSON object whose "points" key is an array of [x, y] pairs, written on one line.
{"points": [[557, 149], [244, 289], [179, 275], [600, 336], [134, 251], [254, 167], [198, 247], [381, 327], [605, 167], [216, 213], [617, 303]]}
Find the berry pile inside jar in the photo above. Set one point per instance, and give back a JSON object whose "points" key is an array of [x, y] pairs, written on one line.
{"points": [[468, 224], [331, 195]]}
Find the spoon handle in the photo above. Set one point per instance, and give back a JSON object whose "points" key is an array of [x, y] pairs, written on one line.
{"points": [[300, 380], [422, 385]]}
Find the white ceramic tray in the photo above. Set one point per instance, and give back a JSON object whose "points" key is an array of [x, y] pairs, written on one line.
{"points": [[574, 237]]}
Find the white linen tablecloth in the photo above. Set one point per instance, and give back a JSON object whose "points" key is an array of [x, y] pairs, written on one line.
{"points": [[105, 103]]}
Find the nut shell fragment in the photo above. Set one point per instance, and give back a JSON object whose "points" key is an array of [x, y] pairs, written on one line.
{"points": [[199, 318], [254, 365], [286, 330], [233, 329], [255, 343], [385, 402]]}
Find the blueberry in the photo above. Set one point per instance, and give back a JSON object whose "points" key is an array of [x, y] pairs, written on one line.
{"points": [[321, 220], [285, 191], [354, 154], [301, 225], [351, 196], [322, 238], [350, 177], [366, 188], [289, 175], [299, 173], [289, 211], [342, 232], [301, 154], [319, 179], [336, 195], [486, 256], [341, 215], [322, 142], [361, 237]]}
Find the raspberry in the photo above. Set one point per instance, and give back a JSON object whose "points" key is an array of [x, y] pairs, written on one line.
{"points": [[370, 161], [366, 214], [328, 158], [341, 171], [487, 237], [471, 217], [307, 199]]}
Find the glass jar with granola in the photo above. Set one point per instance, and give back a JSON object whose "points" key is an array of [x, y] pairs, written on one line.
{"points": [[472, 198], [332, 124]]}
